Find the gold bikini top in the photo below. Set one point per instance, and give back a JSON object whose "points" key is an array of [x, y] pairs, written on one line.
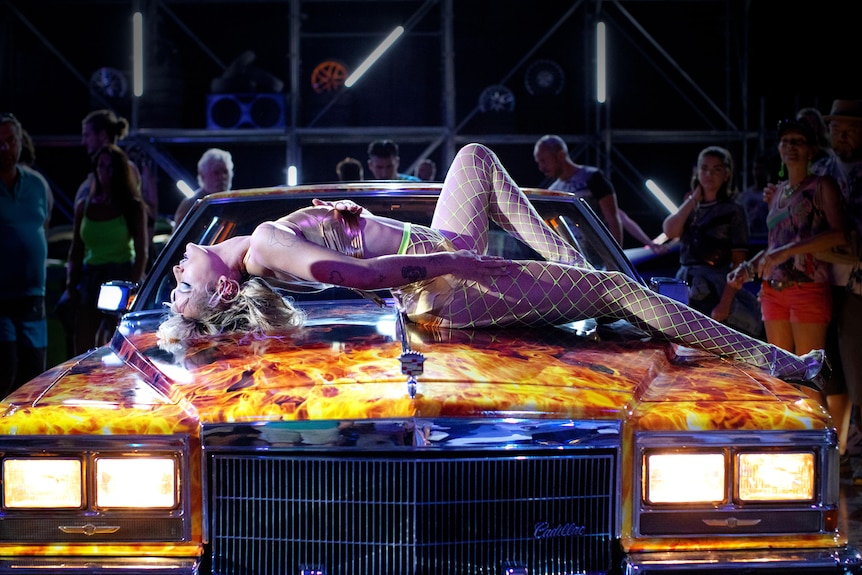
{"points": [[328, 227]]}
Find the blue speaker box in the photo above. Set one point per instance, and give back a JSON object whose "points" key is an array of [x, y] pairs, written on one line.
{"points": [[245, 111]]}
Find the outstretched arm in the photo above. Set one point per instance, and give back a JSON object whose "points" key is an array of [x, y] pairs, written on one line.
{"points": [[277, 251], [639, 234]]}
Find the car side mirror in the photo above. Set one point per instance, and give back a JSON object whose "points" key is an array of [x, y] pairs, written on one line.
{"points": [[117, 296], [670, 287]]}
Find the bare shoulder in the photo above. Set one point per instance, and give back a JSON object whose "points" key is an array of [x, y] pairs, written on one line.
{"points": [[280, 232]]}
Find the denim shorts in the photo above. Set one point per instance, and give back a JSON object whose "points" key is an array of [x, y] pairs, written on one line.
{"points": [[23, 319]]}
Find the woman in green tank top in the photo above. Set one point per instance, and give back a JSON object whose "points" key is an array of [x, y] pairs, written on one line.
{"points": [[109, 242]]}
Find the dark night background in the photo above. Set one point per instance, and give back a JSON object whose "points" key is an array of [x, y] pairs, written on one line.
{"points": [[682, 75]]}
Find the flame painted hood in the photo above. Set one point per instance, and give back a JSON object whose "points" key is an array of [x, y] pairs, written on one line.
{"points": [[345, 365]]}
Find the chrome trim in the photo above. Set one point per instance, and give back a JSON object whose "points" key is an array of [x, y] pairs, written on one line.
{"points": [[89, 529], [732, 522], [410, 434], [33, 444], [100, 565], [811, 561]]}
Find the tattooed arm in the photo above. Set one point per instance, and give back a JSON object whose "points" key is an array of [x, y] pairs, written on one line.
{"points": [[278, 251]]}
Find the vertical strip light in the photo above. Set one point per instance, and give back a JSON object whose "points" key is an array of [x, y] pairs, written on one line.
{"points": [[138, 54], [659, 194], [185, 189], [601, 63], [375, 55], [292, 175]]}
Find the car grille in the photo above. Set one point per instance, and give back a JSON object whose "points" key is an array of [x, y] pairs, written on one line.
{"points": [[420, 514]]}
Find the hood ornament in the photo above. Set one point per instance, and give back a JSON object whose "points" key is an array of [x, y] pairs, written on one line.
{"points": [[412, 362]]}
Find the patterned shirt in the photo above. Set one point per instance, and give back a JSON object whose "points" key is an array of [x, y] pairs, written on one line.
{"points": [[795, 215]]}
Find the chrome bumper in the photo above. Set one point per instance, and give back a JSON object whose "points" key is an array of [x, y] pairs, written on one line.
{"points": [[802, 561], [100, 565]]}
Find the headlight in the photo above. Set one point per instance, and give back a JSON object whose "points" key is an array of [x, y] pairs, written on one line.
{"points": [[139, 482], [776, 476], [685, 477], [42, 483]]}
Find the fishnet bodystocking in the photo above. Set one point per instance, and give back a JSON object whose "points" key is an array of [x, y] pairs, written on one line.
{"points": [[477, 187], [541, 293]]}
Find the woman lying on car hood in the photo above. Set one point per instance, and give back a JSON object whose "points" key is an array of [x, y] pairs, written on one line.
{"points": [[439, 274]]}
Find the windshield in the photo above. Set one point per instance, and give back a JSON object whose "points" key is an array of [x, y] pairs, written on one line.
{"points": [[222, 218]]}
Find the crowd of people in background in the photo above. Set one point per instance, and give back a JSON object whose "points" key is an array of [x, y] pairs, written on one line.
{"points": [[384, 162], [779, 260], [792, 238]]}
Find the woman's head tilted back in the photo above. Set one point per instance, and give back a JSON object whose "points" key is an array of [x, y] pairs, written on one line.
{"points": [[213, 297], [254, 308]]}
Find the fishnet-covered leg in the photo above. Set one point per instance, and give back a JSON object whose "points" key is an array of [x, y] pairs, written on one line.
{"points": [[477, 187], [542, 293]]}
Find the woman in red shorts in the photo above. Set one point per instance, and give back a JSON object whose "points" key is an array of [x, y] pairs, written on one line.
{"points": [[806, 216]]}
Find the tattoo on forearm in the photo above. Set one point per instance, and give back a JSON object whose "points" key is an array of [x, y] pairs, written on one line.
{"points": [[335, 278], [414, 273]]}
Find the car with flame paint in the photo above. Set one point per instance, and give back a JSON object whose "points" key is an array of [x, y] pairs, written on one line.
{"points": [[365, 444]]}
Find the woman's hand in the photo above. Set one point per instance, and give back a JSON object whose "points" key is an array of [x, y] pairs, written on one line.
{"points": [[744, 272], [473, 266], [340, 205], [768, 192], [697, 194], [657, 249], [771, 259]]}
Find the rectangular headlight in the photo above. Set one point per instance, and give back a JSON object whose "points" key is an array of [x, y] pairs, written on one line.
{"points": [[136, 482], [684, 477], [776, 476], [42, 482]]}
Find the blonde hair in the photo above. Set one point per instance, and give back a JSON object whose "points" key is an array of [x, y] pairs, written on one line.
{"points": [[257, 310]]}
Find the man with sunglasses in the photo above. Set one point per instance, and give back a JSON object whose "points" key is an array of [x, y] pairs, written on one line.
{"points": [[25, 210]]}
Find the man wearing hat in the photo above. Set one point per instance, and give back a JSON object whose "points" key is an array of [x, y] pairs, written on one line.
{"points": [[845, 165]]}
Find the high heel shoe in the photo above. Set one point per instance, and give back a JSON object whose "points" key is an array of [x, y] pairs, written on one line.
{"points": [[813, 372]]}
